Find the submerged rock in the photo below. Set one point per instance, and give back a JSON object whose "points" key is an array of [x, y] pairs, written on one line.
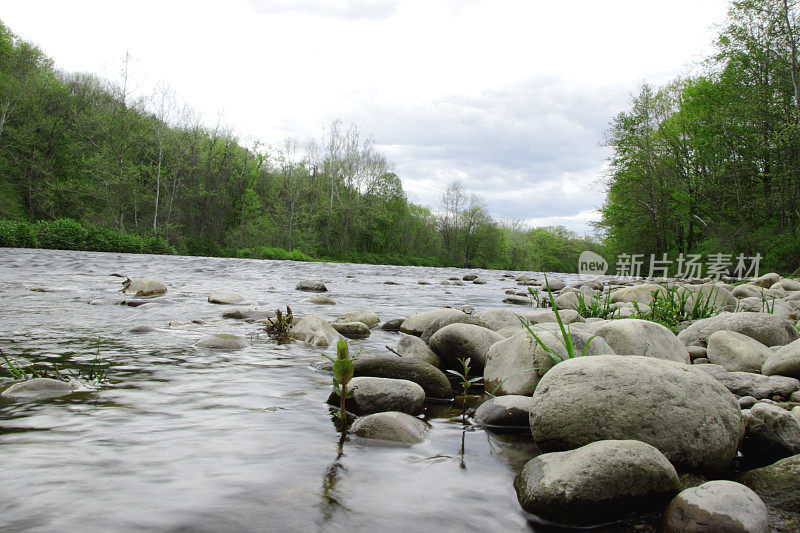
{"points": [[39, 389], [374, 395], [321, 300], [145, 287], [721, 506], [365, 317], [352, 330], [597, 482], [692, 418], [311, 286], [392, 427], [509, 411], [242, 313], [222, 341], [225, 298], [392, 325], [314, 330]]}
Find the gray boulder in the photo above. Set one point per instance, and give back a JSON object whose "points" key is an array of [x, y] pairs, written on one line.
{"points": [[568, 300], [707, 294], [393, 324], [411, 346], [554, 284], [497, 318], [243, 313], [516, 364], [771, 433], [767, 329], [314, 330], [145, 287], [692, 418], [39, 389], [540, 316], [737, 352], [642, 337], [516, 300], [642, 294], [597, 482], [374, 395], [225, 298], [479, 281], [321, 300], [784, 362], [223, 342], [787, 284], [749, 384], [443, 322], [431, 379], [697, 352], [510, 411], [365, 317], [352, 330], [391, 427], [463, 340], [418, 322], [777, 484], [719, 506], [311, 286], [767, 280]]}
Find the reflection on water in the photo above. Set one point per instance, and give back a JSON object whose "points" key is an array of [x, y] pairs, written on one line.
{"points": [[186, 439]]}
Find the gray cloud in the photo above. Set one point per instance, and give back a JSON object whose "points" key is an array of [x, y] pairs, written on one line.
{"points": [[349, 9], [519, 148]]}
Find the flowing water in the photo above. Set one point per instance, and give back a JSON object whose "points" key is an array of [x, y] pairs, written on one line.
{"points": [[184, 439]]}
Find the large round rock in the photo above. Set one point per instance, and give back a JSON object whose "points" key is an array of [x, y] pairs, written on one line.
{"points": [[391, 427], [411, 346], [431, 379], [39, 389], [719, 506], [418, 322], [736, 352], [314, 330], [509, 411], [374, 395], [771, 433], [688, 415], [767, 329], [596, 482], [516, 364], [784, 362], [642, 337], [463, 340], [777, 484]]}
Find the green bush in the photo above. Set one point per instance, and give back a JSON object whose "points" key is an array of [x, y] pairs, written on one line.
{"points": [[15, 234], [61, 234], [201, 247]]}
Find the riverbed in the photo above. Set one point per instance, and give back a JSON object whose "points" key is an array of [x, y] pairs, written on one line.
{"points": [[179, 438]]}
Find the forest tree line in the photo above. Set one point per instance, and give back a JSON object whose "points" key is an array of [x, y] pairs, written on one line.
{"points": [[74, 146], [711, 163]]}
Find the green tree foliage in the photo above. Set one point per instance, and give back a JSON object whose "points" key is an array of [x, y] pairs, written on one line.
{"points": [[87, 164], [712, 163]]}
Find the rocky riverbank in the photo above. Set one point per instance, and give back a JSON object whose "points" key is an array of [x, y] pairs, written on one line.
{"points": [[672, 420]]}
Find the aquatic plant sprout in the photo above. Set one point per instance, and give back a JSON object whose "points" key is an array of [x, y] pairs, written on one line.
{"points": [[343, 371], [566, 335]]}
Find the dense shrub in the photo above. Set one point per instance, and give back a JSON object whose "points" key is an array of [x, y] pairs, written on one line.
{"points": [[61, 234], [17, 234]]}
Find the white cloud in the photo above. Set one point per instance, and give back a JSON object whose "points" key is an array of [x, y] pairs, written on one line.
{"points": [[511, 96]]}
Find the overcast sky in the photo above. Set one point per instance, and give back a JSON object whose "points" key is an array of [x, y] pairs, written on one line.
{"points": [[511, 97]]}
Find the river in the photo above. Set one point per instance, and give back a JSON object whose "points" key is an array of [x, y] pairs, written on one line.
{"points": [[184, 439]]}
